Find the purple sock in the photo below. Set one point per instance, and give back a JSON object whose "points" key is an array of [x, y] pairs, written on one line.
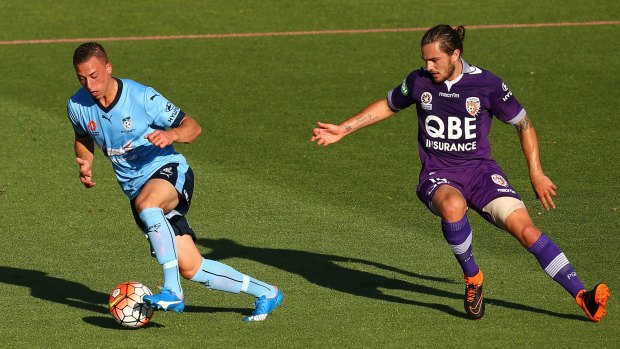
{"points": [[458, 235], [556, 265]]}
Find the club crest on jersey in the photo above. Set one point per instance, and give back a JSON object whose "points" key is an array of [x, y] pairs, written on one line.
{"points": [[127, 123], [499, 180], [426, 100], [472, 105]]}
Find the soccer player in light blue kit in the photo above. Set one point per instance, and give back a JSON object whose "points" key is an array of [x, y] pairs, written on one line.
{"points": [[135, 127], [455, 103]]}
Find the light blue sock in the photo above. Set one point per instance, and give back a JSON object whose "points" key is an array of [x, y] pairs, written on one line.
{"points": [[164, 244], [221, 277]]}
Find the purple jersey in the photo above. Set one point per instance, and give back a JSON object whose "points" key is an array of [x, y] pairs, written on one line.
{"points": [[455, 117]]}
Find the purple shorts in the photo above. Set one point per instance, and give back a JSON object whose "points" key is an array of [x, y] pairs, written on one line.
{"points": [[479, 185]]}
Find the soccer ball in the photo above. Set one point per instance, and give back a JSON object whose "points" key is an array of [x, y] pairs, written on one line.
{"points": [[126, 304]]}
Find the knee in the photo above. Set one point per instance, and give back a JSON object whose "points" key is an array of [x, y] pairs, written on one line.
{"points": [[520, 225], [528, 235], [143, 202], [531, 234], [452, 209]]}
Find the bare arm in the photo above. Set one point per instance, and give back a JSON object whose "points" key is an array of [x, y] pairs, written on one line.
{"points": [[186, 132], [543, 186], [84, 155], [326, 134]]}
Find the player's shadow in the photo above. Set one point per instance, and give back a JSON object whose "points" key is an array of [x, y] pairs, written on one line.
{"points": [[74, 294], [54, 289], [339, 273]]}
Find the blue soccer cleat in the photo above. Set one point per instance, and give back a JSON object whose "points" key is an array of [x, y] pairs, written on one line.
{"points": [[166, 300], [264, 306]]}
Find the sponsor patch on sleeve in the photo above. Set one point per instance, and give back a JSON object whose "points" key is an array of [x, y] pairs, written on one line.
{"points": [[403, 88]]}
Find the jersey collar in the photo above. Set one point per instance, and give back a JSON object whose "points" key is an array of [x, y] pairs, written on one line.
{"points": [[467, 69], [119, 91]]}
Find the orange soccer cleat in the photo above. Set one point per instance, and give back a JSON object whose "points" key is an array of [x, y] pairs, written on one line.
{"points": [[593, 302], [474, 296]]}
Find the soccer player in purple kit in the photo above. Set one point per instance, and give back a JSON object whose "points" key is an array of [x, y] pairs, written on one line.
{"points": [[455, 103]]}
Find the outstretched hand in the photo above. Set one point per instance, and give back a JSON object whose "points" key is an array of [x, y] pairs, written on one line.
{"points": [[544, 189], [86, 172], [326, 134]]}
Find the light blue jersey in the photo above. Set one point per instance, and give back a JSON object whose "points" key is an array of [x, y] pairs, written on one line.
{"points": [[119, 130]]}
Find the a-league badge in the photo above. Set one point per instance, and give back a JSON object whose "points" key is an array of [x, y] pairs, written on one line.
{"points": [[472, 104], [427, 101]]}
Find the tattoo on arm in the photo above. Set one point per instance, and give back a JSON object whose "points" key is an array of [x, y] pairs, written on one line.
{"points": [[364, 118], [359, 122], [524, 124]]}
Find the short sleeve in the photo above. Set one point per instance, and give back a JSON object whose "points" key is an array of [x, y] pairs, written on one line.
{"points": [[75, 122], [161, 110], [401, 96], [503, 103]]}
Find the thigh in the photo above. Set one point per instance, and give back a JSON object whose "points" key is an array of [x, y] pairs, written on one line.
{"points": [[157, 193], [520, 225], [177, 195], [182, 180], [441, 188], [498, 210]]}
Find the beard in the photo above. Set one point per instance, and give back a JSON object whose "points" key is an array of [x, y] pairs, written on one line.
{"points": [[441, 78]]}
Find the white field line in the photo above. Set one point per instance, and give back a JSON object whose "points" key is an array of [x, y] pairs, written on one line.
{"points": [[296, 33]]}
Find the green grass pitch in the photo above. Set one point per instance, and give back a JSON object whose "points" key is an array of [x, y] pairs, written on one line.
{"points": [[362, 263]]}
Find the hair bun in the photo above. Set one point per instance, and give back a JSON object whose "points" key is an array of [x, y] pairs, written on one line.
{"points": [[461, 30]]}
